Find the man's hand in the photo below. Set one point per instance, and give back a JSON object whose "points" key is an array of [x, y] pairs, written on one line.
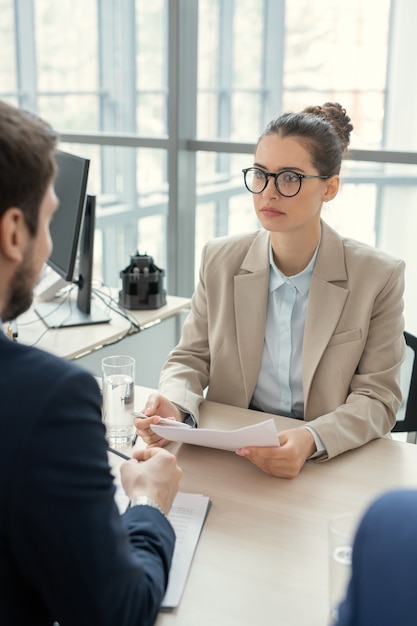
{"points": [[152, 472], [286, 460]]}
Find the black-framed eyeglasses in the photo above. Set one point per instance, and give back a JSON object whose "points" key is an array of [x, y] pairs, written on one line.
{"points": [[287, 183]]}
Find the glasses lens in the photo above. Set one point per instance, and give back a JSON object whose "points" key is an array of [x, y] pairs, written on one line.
{"points": [[255, 180], [288, 184]]}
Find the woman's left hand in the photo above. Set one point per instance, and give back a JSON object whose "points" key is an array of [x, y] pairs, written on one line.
{"points": [[285, 460]]}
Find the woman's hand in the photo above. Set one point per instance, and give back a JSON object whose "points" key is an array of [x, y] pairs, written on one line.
{"points": [[156, 406], [285, 460]]}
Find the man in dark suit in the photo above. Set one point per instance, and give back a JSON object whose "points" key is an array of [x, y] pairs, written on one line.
{"points": [[66, 554], [382, 589]]}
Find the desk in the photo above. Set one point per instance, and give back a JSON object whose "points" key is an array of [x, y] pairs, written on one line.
{"points": [[261, 558], [76, 341]]}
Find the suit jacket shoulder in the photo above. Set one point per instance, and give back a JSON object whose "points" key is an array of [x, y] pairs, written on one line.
{"points": [[341, 258], [58, 516], [238, 250]]}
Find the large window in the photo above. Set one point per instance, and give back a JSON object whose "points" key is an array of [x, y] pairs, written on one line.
{"points": [[168, 98]]}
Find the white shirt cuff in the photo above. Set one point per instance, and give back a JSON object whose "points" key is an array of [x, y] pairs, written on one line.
{"points": [[188, 418], [319, 444]]}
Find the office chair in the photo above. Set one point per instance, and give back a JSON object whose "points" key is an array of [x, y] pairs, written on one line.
{"points": [[407, 413]]}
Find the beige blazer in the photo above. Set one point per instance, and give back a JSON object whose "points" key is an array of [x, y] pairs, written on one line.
{"points": [[353, 339]]}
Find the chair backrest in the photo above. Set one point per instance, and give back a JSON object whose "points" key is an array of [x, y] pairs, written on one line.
{"points": [[407, 413]]}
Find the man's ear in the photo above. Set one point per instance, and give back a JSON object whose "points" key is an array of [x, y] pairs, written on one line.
{"points": [[13, 235], [332, 187]]}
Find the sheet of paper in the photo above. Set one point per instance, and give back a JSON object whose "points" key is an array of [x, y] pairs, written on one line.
{"points": [[121, 498], [187, 516], [260, 434]]}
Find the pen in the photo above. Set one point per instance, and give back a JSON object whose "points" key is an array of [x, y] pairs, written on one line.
{"points": [[162, 420], [124, 456], [141, 415]]}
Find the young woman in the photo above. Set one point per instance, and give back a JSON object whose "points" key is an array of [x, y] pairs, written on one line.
{"points": [[293, 319]]}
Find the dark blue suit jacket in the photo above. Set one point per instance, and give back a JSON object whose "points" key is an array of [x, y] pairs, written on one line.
{"points": [[65, 552], [383, 587]]}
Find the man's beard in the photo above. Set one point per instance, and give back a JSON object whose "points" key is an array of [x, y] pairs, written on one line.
{"points": [[21, 289]]}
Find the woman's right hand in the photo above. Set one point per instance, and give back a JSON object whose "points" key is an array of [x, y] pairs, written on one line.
{"points": [[156, 406]]}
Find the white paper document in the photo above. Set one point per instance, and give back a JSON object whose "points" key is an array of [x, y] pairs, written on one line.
{"points": [[261, 434], [187, 516], [121, 498]]}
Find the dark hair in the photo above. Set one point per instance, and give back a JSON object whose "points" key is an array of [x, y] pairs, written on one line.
{"points": [[27, 165], [324, 130]]}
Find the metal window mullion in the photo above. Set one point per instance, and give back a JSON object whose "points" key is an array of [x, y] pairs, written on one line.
{"points": [[26, 66], [107, 89], [127, 100], [117, 88], [182, 99], [224, 103], [273, 61], [225, 69]]}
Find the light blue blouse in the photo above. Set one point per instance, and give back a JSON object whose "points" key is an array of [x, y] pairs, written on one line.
{"points": [[279, 389]]}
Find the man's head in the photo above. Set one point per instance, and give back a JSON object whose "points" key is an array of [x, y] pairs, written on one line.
{"points": [[27, 203]]}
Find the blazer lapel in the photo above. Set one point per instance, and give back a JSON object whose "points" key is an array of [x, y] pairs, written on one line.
{"points": [[327, 298], [251, 300]]}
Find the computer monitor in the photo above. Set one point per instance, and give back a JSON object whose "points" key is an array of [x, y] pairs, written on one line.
{"points": [[72, 233]]}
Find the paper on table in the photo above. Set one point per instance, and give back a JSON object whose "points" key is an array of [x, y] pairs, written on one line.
{"points": [[120, 497], [260, 434], [187, 516]]}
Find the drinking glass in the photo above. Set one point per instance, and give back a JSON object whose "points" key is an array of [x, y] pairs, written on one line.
{"points": [[341, 535], [118, 380]]}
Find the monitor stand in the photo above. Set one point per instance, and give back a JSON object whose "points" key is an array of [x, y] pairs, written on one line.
{"points": [[60, 314], [49, 284]]}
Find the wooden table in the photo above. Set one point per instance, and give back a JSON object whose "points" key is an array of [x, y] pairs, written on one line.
{"points": [[262, 555]]}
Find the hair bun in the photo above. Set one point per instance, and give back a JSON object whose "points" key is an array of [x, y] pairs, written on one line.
{"points": [[336, 115]]}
